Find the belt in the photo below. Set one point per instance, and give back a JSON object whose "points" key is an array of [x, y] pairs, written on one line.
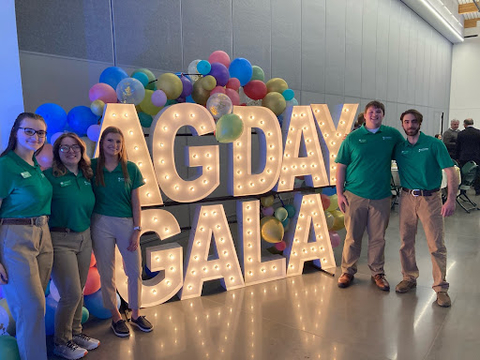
{"points": [[61, 229], [37, 221], [418, 192]]}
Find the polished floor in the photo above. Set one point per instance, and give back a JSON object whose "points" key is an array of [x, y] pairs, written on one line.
{"points": [[309, 317]]}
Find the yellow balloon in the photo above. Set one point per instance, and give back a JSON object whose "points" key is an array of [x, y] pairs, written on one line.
{"points": [[271, 229], [333, 203], [147, 106], [199, 94], [275, 102], [97, 107], [267, 201], [339, 220], [171, 85], [330, 220], [276, 85], [209, 82]]}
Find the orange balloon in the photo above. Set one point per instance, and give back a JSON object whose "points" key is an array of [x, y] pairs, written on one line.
{"points": [[271, 229], [93, 282]]}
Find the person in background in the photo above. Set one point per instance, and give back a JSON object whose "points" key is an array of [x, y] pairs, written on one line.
{"points": [[420, 161], [364, 195], [360, 121], [438, 136], [70, 177], [450, 137], [116, 221], [468, 149], [26, 253]]}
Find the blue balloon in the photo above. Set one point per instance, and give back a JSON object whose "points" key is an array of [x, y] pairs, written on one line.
{"points": [[54, 115], [241, 69], [293, 102], [94, 304], [50, 308], [289, 94], [47, 290], [142, 77], [145, 119], [80, 118], [291, 210], [9, 348], [112, 76], [204, 67], [285, 222], [189, 99], [329, 190]]}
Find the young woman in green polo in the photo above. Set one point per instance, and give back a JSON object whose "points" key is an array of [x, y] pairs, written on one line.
{"points": [[116, 221], [72, 206], [26, 253]]}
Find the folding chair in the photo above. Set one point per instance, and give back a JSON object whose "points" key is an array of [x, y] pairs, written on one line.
{"points": [[469, 173]]}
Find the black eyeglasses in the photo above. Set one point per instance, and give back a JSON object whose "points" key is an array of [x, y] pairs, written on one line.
{"points": [[31, 132], [66, 148]]}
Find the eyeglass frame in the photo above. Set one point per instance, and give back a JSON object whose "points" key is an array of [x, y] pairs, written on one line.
{"points": [[74, 147], [40, 133]]}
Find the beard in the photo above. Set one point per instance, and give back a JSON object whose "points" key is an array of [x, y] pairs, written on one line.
{"points": [[411, 132]]}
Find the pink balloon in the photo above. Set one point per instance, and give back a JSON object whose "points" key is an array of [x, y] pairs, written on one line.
{"points": [[45, 157], [233, 95], [233, 83], [217, 89], [102, 92], [159, 98], [55, 137], [268, 211], [334, 238], [220, 57], [280, 246]]}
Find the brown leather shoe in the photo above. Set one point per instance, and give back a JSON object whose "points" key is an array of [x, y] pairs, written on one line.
{"points": [[381, 282], [405, 286], [345, 280], [443, 299]]}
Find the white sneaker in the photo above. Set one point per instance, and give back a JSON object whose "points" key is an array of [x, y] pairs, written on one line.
{"points": [[85, 341], [70, 351]]}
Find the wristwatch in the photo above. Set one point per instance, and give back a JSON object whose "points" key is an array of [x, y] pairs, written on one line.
{"points": [[139, 228]]}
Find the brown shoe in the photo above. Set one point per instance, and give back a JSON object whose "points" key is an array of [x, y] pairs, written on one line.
{"points": [[405, 285], [381, 282], [345, 280], [443, 299]]}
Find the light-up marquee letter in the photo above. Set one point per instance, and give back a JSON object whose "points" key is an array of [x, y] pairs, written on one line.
{"points": [[165, 127], [199, 266], [241, 180], [302, 154], [124, 116], [307, 237], [333, 136]]}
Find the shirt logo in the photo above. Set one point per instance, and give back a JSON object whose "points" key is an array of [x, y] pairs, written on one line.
{"points": [[362, 141], [404, 152], [121, 179], [65, 183], [387, 138], [26, 174], [423, 149], [86, 182]]}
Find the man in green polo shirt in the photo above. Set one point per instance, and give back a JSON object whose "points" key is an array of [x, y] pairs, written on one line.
{"points": [[420, 160], [364, 195]]}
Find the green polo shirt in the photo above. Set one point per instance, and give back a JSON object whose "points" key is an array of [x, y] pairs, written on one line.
{"points": [[24, 189], [368, 158], [73, 201], [420, 165], [115, 198]]}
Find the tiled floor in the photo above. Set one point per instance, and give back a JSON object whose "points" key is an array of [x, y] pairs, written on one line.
{"points": [[309, 317]]}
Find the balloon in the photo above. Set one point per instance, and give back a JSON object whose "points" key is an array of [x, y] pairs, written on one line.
{"points": [[93, 261], [9, 348], [285, 223], [45, 156], [292, 102], [97, 107], [209, 82], [90, 146], [54, 294], [330, 220], [93, 132], [192, 70], [267, 201], [334, 238], [112, 76], [218, 90], [255, 89], [277, 85], [233, 95], [142, 77], [199, 94], [1, 292], [280, 246], [268, 211], [7, 323], [171, 85], [85, 314], [50, 308], [220, 73], [145, 119], [329, 190], [159, 98], [257, 73], [271, 229], [233, 83], [241, 69], [281, 213], [333, 203], [325, 201], [94, 304], [93, 281], [219, 105], [55, 137], [147, 106], [80, 118], [219, 56], [130, 91], [187, 86], [339, 220], [151, 78], [229, 128], [204, 67], [291, 210], [275, 102], [55, 117], [103, 92], [288, 94]]}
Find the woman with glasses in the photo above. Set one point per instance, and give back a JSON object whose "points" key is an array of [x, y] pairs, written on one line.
{"points": [[116, 221], [72, 206], [26, 253]]}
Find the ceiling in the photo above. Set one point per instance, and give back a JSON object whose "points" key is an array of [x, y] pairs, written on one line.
{"points": [[471, 14]]}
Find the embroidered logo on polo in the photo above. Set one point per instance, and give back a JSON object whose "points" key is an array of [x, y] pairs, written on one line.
{"points": [[404, 152], [362, 141], [25, 174], [121, 179], [423, 149], [387, 138], [65, 183], [87, 183]]}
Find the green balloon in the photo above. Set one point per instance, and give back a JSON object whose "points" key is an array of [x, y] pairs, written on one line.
{"points": [[145, 119], [275, 102], [281, 213], [147, 106], [258, 73], [229, 128], [9, 348], [85, 315], [151, 77]]}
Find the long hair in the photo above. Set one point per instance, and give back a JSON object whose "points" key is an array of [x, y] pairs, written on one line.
{"points": [[122, 156], [12, 140], [59, 169]]}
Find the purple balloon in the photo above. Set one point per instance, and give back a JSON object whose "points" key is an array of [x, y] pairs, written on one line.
{"points": [[187, 86], [220, 73]]}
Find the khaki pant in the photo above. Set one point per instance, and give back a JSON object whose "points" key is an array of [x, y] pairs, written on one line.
{"points": [[428, 210], [106, 232], [26, 253], [72, 254], [364, 214]]}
